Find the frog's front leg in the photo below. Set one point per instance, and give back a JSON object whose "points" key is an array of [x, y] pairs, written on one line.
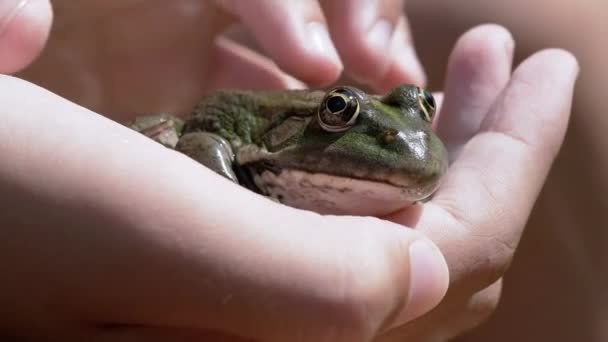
{"points": [[163, 128], [206, 148], [210, 150]]}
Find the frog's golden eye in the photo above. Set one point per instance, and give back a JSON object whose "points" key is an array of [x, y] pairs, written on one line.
{"points": [[427, 104], [339, 110]]}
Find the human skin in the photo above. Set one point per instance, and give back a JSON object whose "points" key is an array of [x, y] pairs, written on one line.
{"points": [[172, 237], [561, 264]]}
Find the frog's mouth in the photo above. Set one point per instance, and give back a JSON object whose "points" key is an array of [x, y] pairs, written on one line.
{"points": [[330, 194]]}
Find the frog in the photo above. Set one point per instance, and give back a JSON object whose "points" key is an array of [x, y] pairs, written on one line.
{"points": [[340, 151]]}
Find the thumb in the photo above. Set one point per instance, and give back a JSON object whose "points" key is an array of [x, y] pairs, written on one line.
{"points": [[24, 29]]}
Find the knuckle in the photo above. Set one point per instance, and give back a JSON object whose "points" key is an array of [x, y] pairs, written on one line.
{"points": [[474, 311], [482, 305]]}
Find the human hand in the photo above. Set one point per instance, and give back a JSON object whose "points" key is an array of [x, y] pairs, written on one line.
{"points": [[473, 271], [503, 132], [108, 236], [122, 57]]}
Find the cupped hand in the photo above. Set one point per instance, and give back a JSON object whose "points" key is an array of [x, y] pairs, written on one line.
{"points": [[109, 236], [131, 241], [503, 130]]}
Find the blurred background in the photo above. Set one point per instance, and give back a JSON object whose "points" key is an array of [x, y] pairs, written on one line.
{"points": [[557, 287]]}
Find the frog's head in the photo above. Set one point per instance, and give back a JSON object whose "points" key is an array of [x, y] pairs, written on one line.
{"points": [[374, 153]]}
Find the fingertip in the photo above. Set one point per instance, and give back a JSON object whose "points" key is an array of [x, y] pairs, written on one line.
{"points": [[237, 67], [404, 59], [307, 52], [549, 75], [563, 61], [323, 53], [487, 32], [404, 66], [572, 59], [24, 29], [295, 35], [364, 48], [479, 68], [481, 46], [374, 41], [546, 71]]}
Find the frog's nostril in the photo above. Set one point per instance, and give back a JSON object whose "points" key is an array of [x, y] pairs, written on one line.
{"points": [[388, 137]]}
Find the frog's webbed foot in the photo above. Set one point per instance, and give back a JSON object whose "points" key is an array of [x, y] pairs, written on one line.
{"points": [[163, 128], [209, 149]]}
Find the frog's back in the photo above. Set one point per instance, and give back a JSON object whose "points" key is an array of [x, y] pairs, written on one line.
{"points": [[242, 117]]}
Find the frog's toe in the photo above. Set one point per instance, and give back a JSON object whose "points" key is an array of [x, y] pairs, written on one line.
{"points": [[210, 150], [163, 128]]}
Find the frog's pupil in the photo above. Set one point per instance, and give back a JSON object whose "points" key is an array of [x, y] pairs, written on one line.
{"points": [[428, 97], [336, 104]]}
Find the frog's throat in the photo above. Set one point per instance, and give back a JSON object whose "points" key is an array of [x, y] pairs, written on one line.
{"points": [[329, 194]]}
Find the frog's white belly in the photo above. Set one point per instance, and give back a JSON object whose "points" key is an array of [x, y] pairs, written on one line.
{"points": [[327, 194]]}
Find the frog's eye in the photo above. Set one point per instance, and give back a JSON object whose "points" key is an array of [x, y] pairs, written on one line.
{"points": [[426, 101], [339, 110]]}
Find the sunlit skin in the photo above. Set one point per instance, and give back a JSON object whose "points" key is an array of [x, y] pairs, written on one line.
{"points": [[129, 240]]}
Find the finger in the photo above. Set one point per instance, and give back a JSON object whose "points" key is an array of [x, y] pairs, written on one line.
{"points": [[374, 41], [24, 28], [237, 67], [490, 189], [479, 68], [295, 35], [142, 235], [404, 66]]}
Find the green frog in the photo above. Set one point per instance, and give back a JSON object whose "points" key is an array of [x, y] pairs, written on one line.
{"points": [[340, 151]]}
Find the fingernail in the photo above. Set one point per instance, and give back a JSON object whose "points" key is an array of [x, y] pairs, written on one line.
{"points": [[379, 36], [428, 281], [9, 9], [321, 42]]}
